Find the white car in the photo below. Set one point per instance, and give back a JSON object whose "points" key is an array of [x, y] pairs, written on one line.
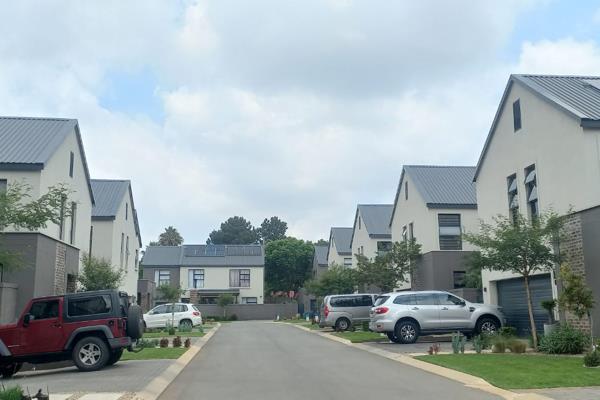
{"points": [[186, 315]]}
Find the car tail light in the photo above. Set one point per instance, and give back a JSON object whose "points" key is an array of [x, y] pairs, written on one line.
{"points": [[196, 313], [326, 311], [381, 310]]}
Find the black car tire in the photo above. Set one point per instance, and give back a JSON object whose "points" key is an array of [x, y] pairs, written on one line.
{"points": [[8, 371], [487, 325], [115, 356], [393, 338], [135, 322], [342, 324], [91, 354], [406, 332]]}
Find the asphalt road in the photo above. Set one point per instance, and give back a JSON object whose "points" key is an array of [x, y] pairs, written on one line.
{"points": [[270, 361]]}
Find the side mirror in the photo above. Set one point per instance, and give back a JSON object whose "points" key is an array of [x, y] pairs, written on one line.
{"points": [[26, 319], [463, 303]]}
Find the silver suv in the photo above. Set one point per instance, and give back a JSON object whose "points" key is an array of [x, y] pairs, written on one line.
{"points": [[403, 316], [343, 310]]}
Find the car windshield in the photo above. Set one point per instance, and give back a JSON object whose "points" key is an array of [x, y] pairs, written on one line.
{"points": [[380, 300]]}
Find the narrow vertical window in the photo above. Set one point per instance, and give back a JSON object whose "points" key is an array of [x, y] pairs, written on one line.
{"points": [[405, 190], [91, 240], [411, 231], [137, 259], [71, 164], [517, 115], [359, 223], [126, 211], [122, 250], [532, 192], [513, 197], [61, 224], [127, 252], [404, 233], [73, 222]]}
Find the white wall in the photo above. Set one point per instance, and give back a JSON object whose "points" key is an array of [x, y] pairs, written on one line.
{"points": [[218, 278], [566, 158], [334, 257], [361, 239]]}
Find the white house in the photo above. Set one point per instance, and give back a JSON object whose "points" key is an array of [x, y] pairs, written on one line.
{"points": [[45, 152], [371, 233], [435, 205], [115, 234], [339, 251], [207, 271], [543, 153]]}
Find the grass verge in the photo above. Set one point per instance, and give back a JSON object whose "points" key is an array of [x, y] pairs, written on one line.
{"points": [[362, 336], [302, 322], [159, 353], [159, 335], [521, 371]]}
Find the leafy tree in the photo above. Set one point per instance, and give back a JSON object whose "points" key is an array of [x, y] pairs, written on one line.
{"points": [[287, 264], [223, 301], [520, 246], [171, 294], [19, 211], [98, 274], [336, 280], [474, 263], [272, 229], [390, 269], [236, 230], [322, 242], [170, 237], [575, 296]]}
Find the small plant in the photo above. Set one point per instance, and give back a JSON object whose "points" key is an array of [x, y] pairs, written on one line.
{"points": [[456, 342], [516, 346], [177, 341], [365, 326], [12, 393], [187, 343], [164, 342], [185, 328], [592, 359], [508, 331], [463, 342], [499, 344], [434, 349], [147, 343], [549, 306], [171, 330], [478, 344], [565, 339]]}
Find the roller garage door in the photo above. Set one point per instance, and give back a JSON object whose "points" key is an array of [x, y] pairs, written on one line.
{"points": [[513, 298]]}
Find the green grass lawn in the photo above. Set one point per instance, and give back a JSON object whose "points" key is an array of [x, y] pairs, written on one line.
{"points": [[159, 335], [361, 336], [155, 354], [521, 371]]}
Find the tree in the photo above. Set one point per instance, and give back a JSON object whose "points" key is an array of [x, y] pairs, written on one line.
{"points": [[388, 270], [223, 301], [272, 229], [575, 296], [236, 230], [171, 294], [336, 280], [474, 263], [322, 242], [170, 237], [98, 274], [287, 264], [520, 246], [19, 211]]}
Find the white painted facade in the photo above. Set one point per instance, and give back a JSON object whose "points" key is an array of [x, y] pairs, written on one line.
{"points": [[566, 158], [362, 242], [217, 278], [334, 257]]}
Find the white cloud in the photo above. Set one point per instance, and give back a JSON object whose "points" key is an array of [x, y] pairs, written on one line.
{"points": [[566, 57]]}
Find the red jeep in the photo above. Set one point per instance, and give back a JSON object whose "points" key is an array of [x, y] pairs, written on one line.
{"points": [[91, 328]]}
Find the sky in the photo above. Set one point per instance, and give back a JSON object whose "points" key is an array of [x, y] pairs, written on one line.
{"points": [[298, 109]]}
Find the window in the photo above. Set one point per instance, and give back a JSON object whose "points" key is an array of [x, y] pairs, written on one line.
{"points": [[363, 301], [44, 309], [180, 308], [404, 233], [405, 190], [160, 309], [347, 261], [162, 277], [91, 239], [384, 247], [3, 185], [411, 231], [196, 278], [127, 252], [425, 299], [342, 301], [122, 253], [531, 191], [126, 211], [446, 299], [517, 114], [406, 299], [89, 306], [71, 164], [450, 231], [380, 300], [61, 224], [137, 259], [362, 250], [239, 278], [249, 300], [73, 222], [359, 223], [459, 279], [513, 197]]}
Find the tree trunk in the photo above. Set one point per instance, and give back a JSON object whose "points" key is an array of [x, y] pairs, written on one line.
{"points": [[173, 317], [530, 309]]}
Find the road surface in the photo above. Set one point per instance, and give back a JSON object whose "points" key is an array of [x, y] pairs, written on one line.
{"points": [[274, 361]]}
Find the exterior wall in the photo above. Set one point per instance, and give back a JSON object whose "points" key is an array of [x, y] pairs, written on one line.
{"points": [[334, 257], [245, 312], [145, 294], [361, 239], [8, 302], [548, 138], [435, 270], [150, 270], [217, 278]]}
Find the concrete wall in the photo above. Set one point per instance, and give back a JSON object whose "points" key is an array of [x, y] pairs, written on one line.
{"points": [[591, 252], [435, 270], [8, 302], [245, 312]]}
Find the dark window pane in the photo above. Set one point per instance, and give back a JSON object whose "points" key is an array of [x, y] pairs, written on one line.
{"points": [[448, 300], [89, 306], [44, 309], [517, 115], [459, 279], [380, 300], [406, 299], [425, 299]]}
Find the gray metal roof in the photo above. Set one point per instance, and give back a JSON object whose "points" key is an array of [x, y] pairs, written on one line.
{"points": [[342, 237], [444, 186], [321, 254], [29, 143], [375, 219], [208, 255]]}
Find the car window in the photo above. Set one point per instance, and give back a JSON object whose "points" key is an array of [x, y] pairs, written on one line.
{"points": [[180, 308], [196, 308], [447, 299], [160, 310], [380, 300], [405, 299], [425, 299], [44, 309], [168, 309], [342, 301], [363, 301], [89, 306]]}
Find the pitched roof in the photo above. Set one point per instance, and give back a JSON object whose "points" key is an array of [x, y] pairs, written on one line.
{"points": [[208, 255], [321, 254], [29, 143], [375, 219], [578, 96], [109, 194], [342, 237]]}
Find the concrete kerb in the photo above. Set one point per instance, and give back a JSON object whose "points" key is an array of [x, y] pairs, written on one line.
{"points": [[158, 385], [466, 379]]}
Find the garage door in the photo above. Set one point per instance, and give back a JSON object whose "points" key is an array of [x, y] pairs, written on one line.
{"points": [[513, 298]]}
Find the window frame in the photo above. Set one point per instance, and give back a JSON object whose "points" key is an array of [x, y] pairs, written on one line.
{"points": [[192, 273], [72, 233], [159, 277], [44, 301], [533, 206], [517, 115], [71, 164], [456, 274], [239, 275], [88, 298], [444, 245]]}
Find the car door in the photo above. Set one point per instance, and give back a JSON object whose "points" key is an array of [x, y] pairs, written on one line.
{"points": [[363, 304], [454, 314], [427, 311], [153, 317], [180, 313], [44, 332]]}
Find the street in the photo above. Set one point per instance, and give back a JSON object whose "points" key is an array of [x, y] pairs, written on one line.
{"points": [[255, 360]]}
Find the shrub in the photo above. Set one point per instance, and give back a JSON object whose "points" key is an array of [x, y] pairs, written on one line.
{"points": [[185, 328], [499, 344], [508, 331], [477, 344], [147, 343], [365, 326], [456, 342], [164, 342], [564, 340], [177, 341], [12, 393], [187, 343], [592, 359], [171, 330], [516, 346]]}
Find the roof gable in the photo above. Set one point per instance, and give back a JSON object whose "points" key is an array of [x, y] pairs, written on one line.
{"points": [[375, 219], [205, 255], [321, 254], [342, 238]]}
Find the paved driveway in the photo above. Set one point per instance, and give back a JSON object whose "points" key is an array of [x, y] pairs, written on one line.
{"points": [[270, 361]]}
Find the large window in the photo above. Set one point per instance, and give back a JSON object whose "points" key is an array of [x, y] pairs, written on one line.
{"points": [[450, 231], [239, 278], [162, 277], [89, 306], [531, 190], [196, 278], [517, 115], [384, 247], [513, 196], [459, 279]]}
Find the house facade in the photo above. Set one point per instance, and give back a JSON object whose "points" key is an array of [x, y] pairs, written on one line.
{"points": [[339, 251], [115, 234], [205, 272], [41, 153], [436, 205], [542, 153]]}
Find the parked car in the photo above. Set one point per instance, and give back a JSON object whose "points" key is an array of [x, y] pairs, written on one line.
{"points": [[185, 316], [344, 310], [403, 316], [91, 328]]}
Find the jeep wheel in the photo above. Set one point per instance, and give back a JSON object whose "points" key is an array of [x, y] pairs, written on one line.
{"points": [[135, 322], [115, 356], [90, 354], [393, 338], [407, 332], [8, 371], [342, 324]]}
